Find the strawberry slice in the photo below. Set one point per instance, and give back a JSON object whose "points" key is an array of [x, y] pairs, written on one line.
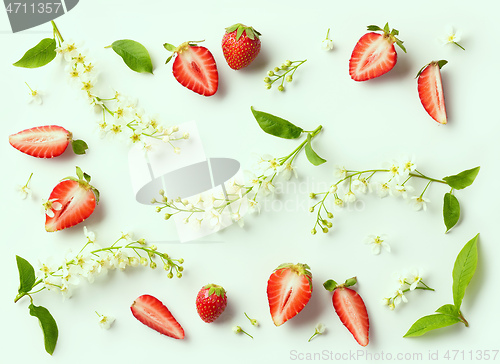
{"points": [[154, 314], [47, 141], [194, 67], [374, 54], [289, 289], [430, 90], [70, 202], [350, 308]]}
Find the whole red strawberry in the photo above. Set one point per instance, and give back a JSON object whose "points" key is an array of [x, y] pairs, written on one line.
{"points": [[350, 308], [240, 45], [211, 301], [70, 202], [374, 54]]}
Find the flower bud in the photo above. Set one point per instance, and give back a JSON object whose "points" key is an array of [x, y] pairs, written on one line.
{"points": [[152, 265], [170, 275], [313, 231], [289, 78], [185, 135], [325, 230], [281, 88], [144, 261], [288, 62], [181, 261], [180, 269], [153, 200], [276, 69], [175, 129], [268, 86], [167, 216], [333, 189], [158, 209], [161, 192], [153, 247], [330, 215], [267, 79], [179, 275], [270, 73], [312, 195], [311, 209], [177, 150], [329, 224]]}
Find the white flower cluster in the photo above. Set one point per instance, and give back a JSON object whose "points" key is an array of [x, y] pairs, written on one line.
{"points": [[354, 183], [93, 261], [406, 283], [125, 119]]}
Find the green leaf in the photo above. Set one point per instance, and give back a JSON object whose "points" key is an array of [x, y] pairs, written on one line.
{"points": [[87, 177], [239, 32], [232, 28], [39, 55], [134, 54], [79, 172], [431, 322], [451, 211], [48, 325], [276, 126], [79, 146], [330, 285], [400, 44], [386, 28], [168, 59], [26, 275], [441, 63], [311, 154], [464, 269], [448, 310], [373, 28], [350, 282], [170, 47], [463, 179]]}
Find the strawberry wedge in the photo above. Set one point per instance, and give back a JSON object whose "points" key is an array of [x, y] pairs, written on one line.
{"points": [[374, 53], [154, 314], [47, 141], [194, 68], [289, 289], [430, 90], [350, 308], [72, 201]]}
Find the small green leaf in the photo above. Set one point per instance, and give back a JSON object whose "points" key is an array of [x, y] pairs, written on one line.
{"points": [[448, 310], [400, 44], [463, 179], [465, 266], [373, 28], [330, 285], [386, 28], [276, 126], [97, 195], [79, 146], [79, 172], [170, 47], [39, 55], [350, 282], [168, 59], [239, 32], [232, 28], [48, 325], [451, 211], [311, 154], [441, 63], [26, 275], [431, 322], [134, 54], [87, 177]]}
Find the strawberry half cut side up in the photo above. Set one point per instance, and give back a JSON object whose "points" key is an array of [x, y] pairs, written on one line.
{"points": [[194, 68], [430, 90], [289, 289], [70, 202], [350, 308], [154, 314], [374, 54], [47, 141]]}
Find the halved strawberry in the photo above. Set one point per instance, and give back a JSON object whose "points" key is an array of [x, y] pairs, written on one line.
{"points": [[289, 289], [350, 308], [154, 314], [374, 54], [194, 67], [430, 90], [70, 202], [47, 141], [240, 45]]}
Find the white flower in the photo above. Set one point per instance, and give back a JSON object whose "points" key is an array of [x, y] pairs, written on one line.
{"points": [[408, 165], [269, 165], [333, 189], [214, 218], [34, 96], [401, 190], [399, 297], [25, 191], [267, 187], [68, 50], [349, 197], [339, 202], [128, 236], [414, 279], [236, 329], [287, 170], [90, 235], [195, 223], [254, 206], [105, 322], [340, 172], [360, 185], [318, 330], [385, 301], [451, 36], [383, 189], [377, 244], [400, 278], [420, 203], [327, 43], [51, 206]]}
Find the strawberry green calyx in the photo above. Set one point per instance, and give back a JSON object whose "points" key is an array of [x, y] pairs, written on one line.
{"points": [[215, 289], [330, 285], [439, 63], [388, 33], [299, 269], [183, 47], [84, 182], [240, 28]]}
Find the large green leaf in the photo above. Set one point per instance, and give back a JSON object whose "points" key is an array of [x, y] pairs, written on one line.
{"points": [[276, 126], [311, 155], [39, 55], [451, 210], [431, 322], [134, 54], [465, 266], [463, 179], [26, 275], [448, 310], [48, 325]]}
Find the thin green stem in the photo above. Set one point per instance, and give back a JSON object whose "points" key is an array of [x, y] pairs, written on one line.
{"points": [[57, 32]]}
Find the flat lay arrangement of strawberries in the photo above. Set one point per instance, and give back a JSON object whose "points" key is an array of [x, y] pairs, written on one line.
{"points": [[290, 286]]}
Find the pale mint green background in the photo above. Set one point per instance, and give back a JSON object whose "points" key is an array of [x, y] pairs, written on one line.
{"points": [[365, 124]]}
